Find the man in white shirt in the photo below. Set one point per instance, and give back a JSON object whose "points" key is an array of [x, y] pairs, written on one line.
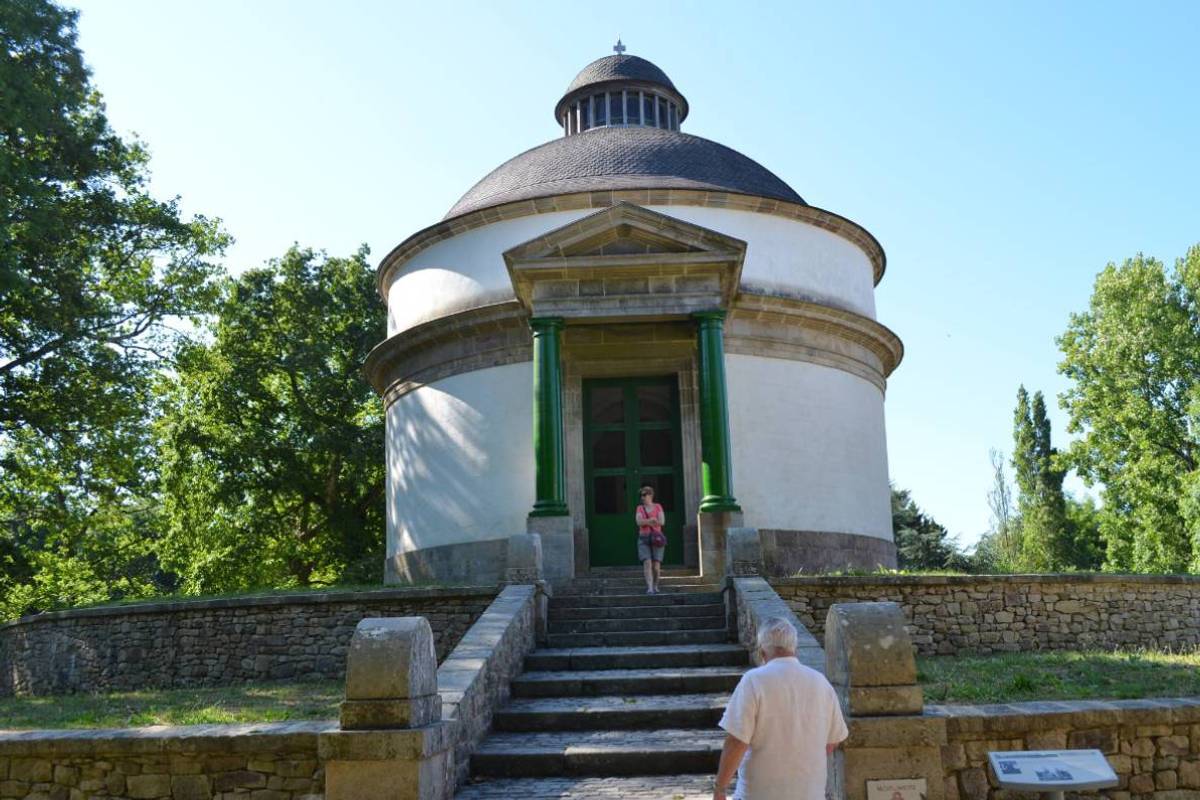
{"points": [[782, 721]]}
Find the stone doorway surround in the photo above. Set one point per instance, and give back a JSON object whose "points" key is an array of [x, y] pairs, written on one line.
{"points": [[625, 283]]}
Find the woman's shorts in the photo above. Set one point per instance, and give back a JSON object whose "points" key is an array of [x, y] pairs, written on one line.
{"points": [[645, 551]]}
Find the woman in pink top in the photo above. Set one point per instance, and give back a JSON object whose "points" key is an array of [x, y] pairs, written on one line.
{"points": [[651, 539]]}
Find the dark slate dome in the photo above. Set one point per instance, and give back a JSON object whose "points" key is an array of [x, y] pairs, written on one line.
{"points": [[612, 158], [620, 68]]}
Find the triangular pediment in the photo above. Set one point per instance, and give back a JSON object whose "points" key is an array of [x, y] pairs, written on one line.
{"points": [[625, 229], [623, 262], [627, 240]]}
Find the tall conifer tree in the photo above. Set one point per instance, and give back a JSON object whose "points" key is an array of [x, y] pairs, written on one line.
{"points": [[1045, 533]]}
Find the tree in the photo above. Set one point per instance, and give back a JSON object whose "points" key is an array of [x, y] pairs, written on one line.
{"points": [[1086, 539], [1045, 538], [1133, 359], [272, 468], [921, 542], [93, 270], [1000, 548]]}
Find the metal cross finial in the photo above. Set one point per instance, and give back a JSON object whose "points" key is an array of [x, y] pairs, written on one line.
{"points": [[619, 48]]}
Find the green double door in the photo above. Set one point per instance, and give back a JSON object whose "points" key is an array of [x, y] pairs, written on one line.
{"points": [[631, 439]]}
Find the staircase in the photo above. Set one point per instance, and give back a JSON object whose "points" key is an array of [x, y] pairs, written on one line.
{"points": [[624, 701]]}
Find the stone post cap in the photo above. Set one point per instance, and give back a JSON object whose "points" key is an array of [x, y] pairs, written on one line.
{"points": [[744, 555], [391, 658], [869, 659], [524, 558]]}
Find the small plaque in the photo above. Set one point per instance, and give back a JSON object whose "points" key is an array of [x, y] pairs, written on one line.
{"points": [[904, 789]]}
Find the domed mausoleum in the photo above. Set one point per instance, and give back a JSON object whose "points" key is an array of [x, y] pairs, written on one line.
{"points": [[629, 304]]}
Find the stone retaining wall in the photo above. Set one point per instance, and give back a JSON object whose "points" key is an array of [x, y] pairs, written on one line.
{"points": [[266, 761], [214, 642], [986, 613], [1152, 745]]}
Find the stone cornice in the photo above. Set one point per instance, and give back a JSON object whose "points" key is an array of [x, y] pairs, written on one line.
{"points": [[759, 325], [488, 336], [847, 326], [818, 217]]}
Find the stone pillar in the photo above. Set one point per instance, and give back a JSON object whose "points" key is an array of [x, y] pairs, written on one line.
{"points": [[716, 470], [550, 518], [869, 660], [392, 744], [551, 480], [719, 510]]}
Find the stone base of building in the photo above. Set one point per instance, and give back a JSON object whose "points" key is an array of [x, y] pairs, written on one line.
{"points": [[481, 563], [788, 552]]}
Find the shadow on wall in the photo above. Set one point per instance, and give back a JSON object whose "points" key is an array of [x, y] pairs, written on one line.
{"points": [[460, 475]]}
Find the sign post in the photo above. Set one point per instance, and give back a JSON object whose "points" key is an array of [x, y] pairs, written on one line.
{"points": [[1052, 772]]}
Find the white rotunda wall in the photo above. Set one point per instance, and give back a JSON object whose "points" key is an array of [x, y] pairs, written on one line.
{"points": [[464, 271], [783, 256], [460, 464], [809, 447], [792, 258]]}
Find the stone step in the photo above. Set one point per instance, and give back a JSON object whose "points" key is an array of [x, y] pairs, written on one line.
{"points": [[624, 586], [592, 658], [630, 571], [637, 638], [607, 753], [611, 712], [635, 599], [658, 623], [592, 683], [642, 787], [638, 611]]}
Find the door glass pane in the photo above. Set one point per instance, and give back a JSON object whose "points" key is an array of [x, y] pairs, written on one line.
{"points": [[656, 448], [608, 449], [654, 403], [608, 405], [664, 490], [608, 494]]}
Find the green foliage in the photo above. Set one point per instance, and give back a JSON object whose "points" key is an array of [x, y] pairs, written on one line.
{"points": [[1085, 534], [271, 447], [93, 272], [999, 550], [1134, 362], [921, 542], [1045, 535]]}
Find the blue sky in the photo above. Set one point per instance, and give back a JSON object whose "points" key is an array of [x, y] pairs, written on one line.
{"points": [[1001, 152]]}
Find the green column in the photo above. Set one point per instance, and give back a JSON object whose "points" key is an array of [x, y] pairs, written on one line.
{"points": [[716, 468], [551, 478]]}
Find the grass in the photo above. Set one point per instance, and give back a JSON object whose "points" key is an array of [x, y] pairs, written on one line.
{"points": [[1059, 675], [216, 705]]}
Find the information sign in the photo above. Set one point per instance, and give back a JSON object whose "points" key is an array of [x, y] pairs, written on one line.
{"points": [[1052, 770]]}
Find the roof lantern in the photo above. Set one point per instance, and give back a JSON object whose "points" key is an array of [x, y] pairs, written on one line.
{"points": [[620, 91]]}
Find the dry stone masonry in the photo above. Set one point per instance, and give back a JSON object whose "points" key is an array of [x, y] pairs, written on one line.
{"points": [[1152, 745], [984, 614], [199, 762], [296, 637]]}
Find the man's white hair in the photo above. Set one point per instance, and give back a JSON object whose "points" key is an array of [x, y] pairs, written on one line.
{"points": [[777, 635]]}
